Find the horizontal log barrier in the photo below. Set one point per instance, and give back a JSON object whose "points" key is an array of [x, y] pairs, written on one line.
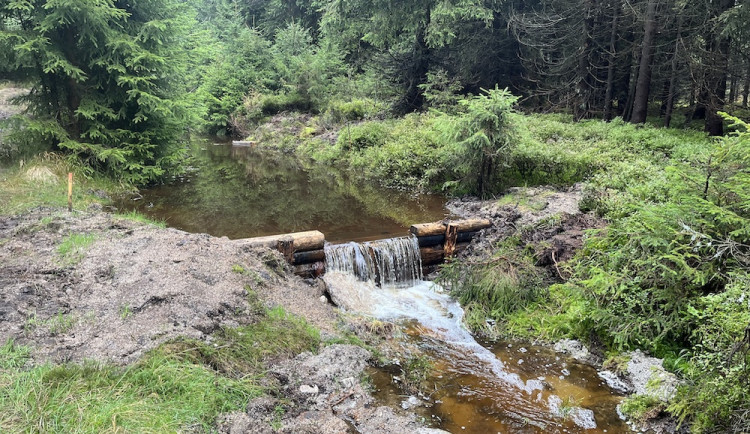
{"points": [[436, 254], [311, 270], [439, 228], [309, 257], [304, 251], [435, 240], [301, 241]]}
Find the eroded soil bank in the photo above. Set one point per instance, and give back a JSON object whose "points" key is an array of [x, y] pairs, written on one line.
{"points": [[94, 286]]}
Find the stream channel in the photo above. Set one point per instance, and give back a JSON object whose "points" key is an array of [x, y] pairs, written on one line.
{"points": [[477, 387]]}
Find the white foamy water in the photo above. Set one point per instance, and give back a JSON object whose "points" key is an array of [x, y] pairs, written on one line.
{"points": [[431, 306], [383, 279]]}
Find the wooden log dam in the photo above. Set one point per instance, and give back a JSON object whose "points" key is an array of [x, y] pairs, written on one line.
{"points": [[305, 251]]}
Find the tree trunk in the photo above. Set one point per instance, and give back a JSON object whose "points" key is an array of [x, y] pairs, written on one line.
{"points": [[611, 66], [413, 98], [746, 90], [671, 95], [717, 77], [583, 88], [733, 84], [642, 88]]}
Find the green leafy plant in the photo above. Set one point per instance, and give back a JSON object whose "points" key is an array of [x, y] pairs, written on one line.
{"points": [[72, 248]]}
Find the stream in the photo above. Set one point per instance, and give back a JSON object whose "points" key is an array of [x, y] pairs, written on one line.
{"points": [[478, 387]]}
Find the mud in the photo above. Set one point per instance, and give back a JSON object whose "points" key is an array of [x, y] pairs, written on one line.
{"points": [[322, 394], [136, 286], [545, 220]]}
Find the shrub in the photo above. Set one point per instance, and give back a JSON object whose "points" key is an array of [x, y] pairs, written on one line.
{"points": [[362, 136]]}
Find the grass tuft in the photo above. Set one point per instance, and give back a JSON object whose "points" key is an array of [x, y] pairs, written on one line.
{"points": [[72, 248]]}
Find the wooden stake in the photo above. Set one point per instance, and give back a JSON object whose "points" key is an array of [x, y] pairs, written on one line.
{"points": [[451, 236], [70, 191]]}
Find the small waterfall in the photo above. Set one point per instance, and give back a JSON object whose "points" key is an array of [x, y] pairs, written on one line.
{"points": [[392, 262]]}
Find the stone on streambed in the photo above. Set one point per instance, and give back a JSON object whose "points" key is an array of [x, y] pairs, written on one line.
{"points": [[576, 350], [582, 417], [326, 397], [649, 377]]}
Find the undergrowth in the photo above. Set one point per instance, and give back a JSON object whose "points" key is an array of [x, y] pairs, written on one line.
{"points": [[43, 181]]}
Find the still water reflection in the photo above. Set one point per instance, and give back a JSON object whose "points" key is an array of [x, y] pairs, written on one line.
{"points": [[242, 192]]}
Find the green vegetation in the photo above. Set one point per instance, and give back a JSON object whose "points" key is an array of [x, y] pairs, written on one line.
{"points": [[104, 77], [642, 407], [414, 373], [138, 217], [395, 96], [72, 248], [42, 181], [179, 386], [669, 273]]}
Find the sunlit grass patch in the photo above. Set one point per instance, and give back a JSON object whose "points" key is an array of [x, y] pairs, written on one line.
{"points": [[43, 181]]}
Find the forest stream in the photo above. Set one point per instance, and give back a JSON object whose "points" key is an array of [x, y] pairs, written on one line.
{"points": [[473, 386]]}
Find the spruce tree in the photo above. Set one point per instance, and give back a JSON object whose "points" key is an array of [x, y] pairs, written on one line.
{"points": [[102, 76]]}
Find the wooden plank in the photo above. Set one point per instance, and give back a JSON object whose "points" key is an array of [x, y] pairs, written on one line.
{"points": [[451, 234]]}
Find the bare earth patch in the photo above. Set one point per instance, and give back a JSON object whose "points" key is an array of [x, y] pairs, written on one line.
{"points": [[134, 287]]}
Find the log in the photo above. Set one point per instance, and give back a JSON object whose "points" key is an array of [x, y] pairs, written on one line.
{"points": [[312, 270], [431, 255], [435, 240], [436, 254], [309, 257], [438, 228], [428, 229], [302, 241], [244, 143]]}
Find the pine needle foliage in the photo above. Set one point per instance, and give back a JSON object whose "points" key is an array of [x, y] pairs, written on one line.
{"points": [[103, 80]]}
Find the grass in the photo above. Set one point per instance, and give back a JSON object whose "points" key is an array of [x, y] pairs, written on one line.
{"points": [[57, 324], [43, 181], [642, 407], [180, 386], [525, 201], [415, 371], [72, 248], [138, 217]]}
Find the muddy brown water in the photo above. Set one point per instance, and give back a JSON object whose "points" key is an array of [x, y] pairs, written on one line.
{"points": [[459, 399], [242, 192]]}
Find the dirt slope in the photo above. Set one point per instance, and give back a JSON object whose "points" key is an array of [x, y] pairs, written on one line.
{"points": [[133, 287]]}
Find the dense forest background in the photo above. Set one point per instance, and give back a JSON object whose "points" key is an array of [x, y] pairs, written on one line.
{"points": [[117, 82]]}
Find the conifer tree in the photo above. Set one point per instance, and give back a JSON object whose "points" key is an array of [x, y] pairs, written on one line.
{"points": [[102, 79]]}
